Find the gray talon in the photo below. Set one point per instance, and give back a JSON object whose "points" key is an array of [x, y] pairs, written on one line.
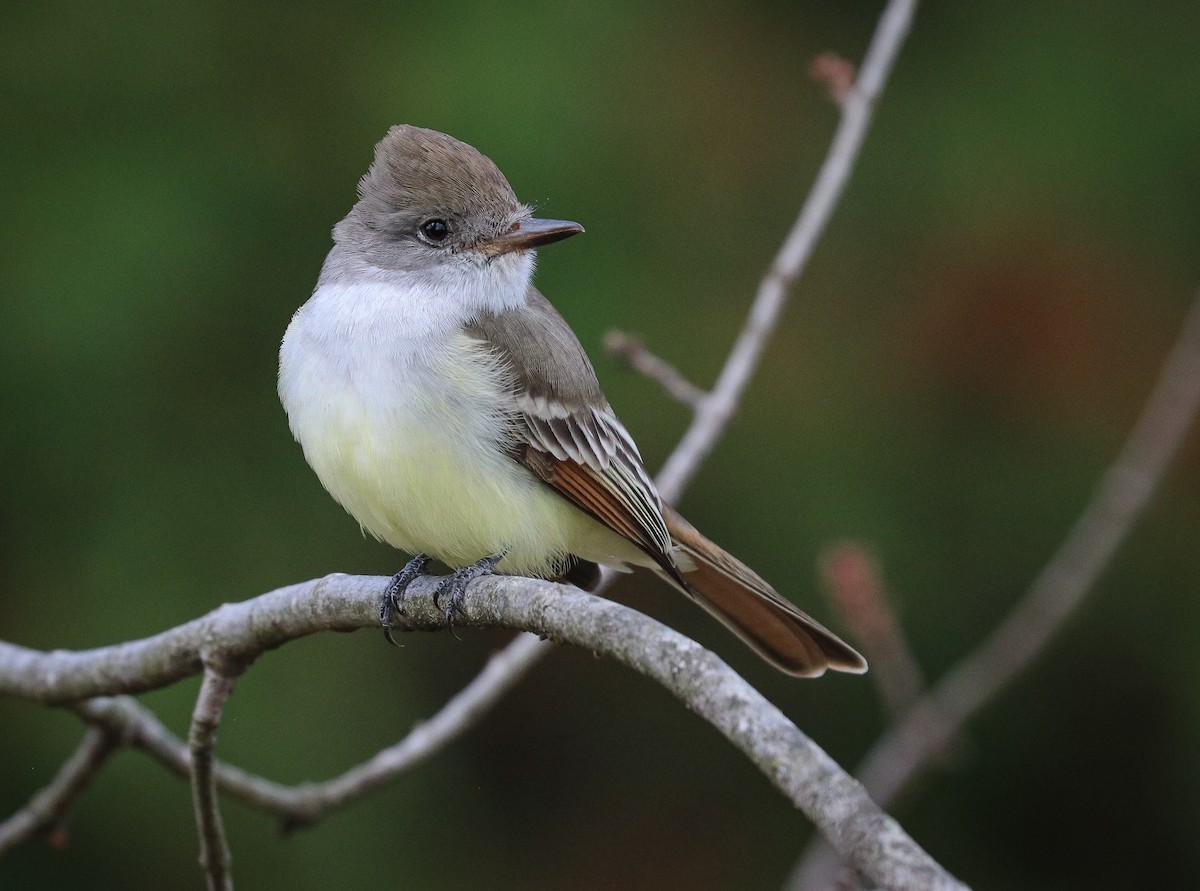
{"points": [[393, 597], [454, 587]]}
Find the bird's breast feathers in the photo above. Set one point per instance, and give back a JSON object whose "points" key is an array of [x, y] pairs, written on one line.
{"points": [[408, 434]]}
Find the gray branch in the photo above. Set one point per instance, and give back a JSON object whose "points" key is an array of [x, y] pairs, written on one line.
{"points": [[785, 270], [636, 355], [305, 803], [140, 729], [215, 691], [1122, 495], [50, 805], [236, 633], [1058, 591]]}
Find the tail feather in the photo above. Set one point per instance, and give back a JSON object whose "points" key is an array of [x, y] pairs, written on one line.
{"points": [[788, 638]]}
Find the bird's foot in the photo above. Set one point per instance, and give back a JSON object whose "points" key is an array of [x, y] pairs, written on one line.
{"points": [[454, 587], [393, 598]]}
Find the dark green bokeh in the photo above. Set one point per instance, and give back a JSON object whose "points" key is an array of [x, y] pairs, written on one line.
{"points": [[969, 346]]}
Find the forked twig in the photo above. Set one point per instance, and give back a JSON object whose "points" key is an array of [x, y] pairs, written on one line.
{"points": [[858, 106], [641, 360]]}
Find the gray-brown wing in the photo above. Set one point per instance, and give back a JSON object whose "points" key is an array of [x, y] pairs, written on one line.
{"points": [[566, 433]]}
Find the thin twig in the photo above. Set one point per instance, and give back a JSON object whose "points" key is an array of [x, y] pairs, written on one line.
{"points": [[50, 804], [640, 359], [1057, 592], [795, 765], [215, 690], [1123, 493], [785, 270], [304, 804], [502, 671], [854, 584], [142, 730]]}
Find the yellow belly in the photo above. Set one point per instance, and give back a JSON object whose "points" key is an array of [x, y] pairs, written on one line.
{"points": [[420, 468]]}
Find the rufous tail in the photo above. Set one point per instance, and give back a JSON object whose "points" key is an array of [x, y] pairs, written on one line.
{"points": [[791, 640]]}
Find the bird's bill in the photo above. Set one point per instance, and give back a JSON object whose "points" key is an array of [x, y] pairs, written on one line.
{"points": [[530, 233]]}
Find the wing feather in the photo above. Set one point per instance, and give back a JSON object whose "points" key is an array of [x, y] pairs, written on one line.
{"points": [[594, 468], [563, 429]]}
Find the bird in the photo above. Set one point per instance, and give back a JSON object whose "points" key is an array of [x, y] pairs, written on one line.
{"points": [[451, 410]]}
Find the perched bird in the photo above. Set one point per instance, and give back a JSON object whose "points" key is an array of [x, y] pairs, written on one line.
{"points": [[451, 410]]}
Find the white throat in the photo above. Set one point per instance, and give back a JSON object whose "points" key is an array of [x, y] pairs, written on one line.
{"points": [[361, 302], [380, 330]]}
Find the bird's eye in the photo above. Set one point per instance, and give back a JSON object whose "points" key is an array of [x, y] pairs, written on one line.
{"points": [[435, 230]]}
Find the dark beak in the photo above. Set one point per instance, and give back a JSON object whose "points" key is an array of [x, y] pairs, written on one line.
{"points": [[530, 233]]}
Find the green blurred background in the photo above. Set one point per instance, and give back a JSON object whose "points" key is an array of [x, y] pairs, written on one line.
{"points": [[973, 340]]}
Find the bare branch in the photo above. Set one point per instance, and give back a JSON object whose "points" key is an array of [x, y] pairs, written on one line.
{"points": [[855, 586], [137, 728], [785, 270], [794, 764], [1124, 491], [50, 804], [140, 729], [238, 632], [636, 356], [501, 673], [306, 803], [215, 691]]}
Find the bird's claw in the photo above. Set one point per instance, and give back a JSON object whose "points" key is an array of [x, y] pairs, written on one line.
{"points": [[454, 587], [393, 597]]}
